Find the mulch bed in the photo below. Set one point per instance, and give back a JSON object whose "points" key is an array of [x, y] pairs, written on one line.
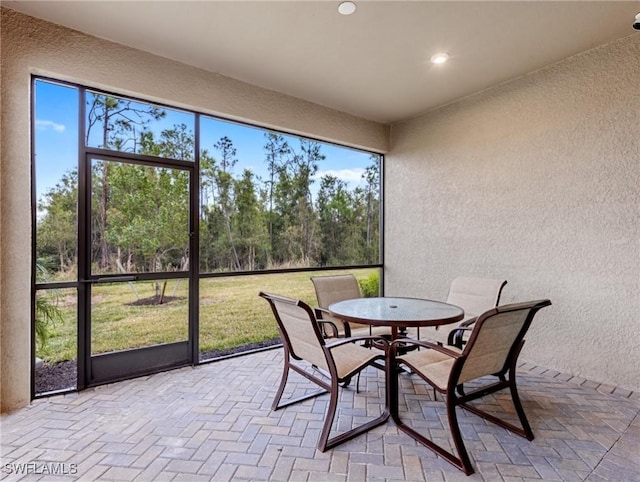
{"points": [[56, 376], [63, 375], [155, 300]]}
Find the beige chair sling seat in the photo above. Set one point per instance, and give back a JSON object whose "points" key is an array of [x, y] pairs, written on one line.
{"points": [[438, 365]]}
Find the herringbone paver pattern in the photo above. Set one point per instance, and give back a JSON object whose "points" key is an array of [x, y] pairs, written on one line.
{"points": [[214, 422]]}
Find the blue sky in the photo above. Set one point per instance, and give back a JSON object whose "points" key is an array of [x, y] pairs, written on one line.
{"points": [[56, 134], [56, 125]]}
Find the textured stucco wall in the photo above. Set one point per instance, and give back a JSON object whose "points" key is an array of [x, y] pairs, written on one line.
{"points": [[536, 181], [31, 46]]}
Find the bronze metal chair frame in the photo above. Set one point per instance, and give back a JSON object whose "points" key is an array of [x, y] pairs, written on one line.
{"points": [[324, 442], [506, 379]]}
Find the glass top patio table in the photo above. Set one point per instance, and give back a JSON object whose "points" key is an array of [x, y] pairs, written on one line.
{"points": [[396, 312]]}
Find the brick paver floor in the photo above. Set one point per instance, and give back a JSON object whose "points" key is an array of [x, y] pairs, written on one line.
{"points": [[214, 422]]}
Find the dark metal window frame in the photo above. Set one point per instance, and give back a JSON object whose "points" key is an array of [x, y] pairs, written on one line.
{"points": [[193, 275]]}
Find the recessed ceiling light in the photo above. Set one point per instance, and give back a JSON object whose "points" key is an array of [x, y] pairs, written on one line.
{"points": [[439, 58], [347, 8]]}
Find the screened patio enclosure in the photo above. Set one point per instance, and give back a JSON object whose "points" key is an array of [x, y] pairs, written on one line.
{"points": [[157, 227]]}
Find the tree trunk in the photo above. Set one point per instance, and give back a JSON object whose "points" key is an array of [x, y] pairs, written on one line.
{"points": [[104, 255]]}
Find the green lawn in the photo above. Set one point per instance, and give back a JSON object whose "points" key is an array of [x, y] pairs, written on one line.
{"points": [[231, 313]]}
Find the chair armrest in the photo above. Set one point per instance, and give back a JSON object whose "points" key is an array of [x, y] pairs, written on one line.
{"points": [[455, 335], [468, 322], [424, 344], [321, 313], [330, 324]]}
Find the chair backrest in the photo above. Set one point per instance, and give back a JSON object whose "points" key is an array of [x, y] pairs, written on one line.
{"points": [[475, 295], [497, 338], [331, 289], [299, 330]]}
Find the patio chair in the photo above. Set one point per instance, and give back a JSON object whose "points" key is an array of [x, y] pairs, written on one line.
{"points": [[331, 289], [474, 296], [493, 349], [305, 347]]}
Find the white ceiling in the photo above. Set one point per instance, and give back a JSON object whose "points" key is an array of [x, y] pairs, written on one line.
{"points": [[374, 63]]}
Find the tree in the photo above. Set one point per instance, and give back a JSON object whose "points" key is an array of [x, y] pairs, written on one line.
{"points": [[207, 181], [224, 183], [208, 169], [372, 194], [148, 207], [335, 210], [177, 143], [349, 220], [140, 214], [56, 228], [227, 152], [149, 214], [297, 223], [120, 121], [248, 224], [276, 149]]}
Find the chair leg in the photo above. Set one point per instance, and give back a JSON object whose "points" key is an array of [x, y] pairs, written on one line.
{"points": [[330, 415], [527, 432], [347, 382], [283, 383], [506, 380], [324, 442], [288, 366], [526, 428], [393, 388], [462, 462], [452, 417]]}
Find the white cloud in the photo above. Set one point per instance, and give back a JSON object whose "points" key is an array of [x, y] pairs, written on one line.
{"points": [[346, 175], [48, 124]]}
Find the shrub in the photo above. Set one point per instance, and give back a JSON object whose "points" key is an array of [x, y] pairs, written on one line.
{"points": [[47, 311], [370, 286]]}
